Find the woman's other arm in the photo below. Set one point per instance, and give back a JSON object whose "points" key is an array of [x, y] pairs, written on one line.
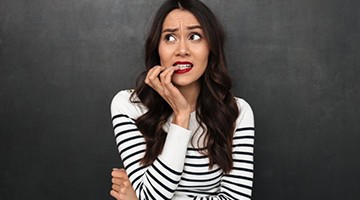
{"points": [[160, 179]]}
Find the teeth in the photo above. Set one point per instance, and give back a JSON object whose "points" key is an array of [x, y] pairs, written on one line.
{"points": [[181, 67]]}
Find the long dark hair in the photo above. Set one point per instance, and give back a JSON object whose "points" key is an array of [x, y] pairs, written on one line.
{"points": [[216, 108]]}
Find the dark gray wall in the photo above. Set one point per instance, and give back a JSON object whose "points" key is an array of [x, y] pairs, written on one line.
{"points": [[296, 62]]}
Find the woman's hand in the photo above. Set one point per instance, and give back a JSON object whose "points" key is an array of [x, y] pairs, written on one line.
{"points": [[121, 186], [159, 78]]}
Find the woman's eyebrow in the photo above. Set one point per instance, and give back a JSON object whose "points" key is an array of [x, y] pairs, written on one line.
{"points": [[194, 27], [172, 30]]}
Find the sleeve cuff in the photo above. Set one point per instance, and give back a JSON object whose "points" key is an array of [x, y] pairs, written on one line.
{"points": [[175, 147]]}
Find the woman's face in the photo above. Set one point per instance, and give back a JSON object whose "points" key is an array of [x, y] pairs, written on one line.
{"points": [[183, 44]]}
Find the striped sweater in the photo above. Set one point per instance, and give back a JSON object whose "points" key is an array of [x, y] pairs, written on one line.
{"points": [[181, 171]]}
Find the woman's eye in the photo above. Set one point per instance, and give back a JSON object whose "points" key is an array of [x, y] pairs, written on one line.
{"points": [[169, 38], [195, 36]]}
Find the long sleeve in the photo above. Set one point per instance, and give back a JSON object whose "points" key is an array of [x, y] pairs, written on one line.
{"points": [[237, 185], [181, 171], [159, 180]]}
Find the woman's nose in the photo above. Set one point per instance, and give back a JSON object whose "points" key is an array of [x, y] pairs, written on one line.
{"points": [[183, 49]]}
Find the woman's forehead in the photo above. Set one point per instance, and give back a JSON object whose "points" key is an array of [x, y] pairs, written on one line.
{"points": [[178, 18]]}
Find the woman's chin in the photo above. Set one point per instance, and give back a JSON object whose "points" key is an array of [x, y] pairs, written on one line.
{"points": [[183, 83]]}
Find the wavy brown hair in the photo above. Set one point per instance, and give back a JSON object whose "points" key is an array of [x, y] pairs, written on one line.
{"points": [[216, 108]]}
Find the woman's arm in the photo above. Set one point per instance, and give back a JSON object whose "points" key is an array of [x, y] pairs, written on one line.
{"points": [[156, 181], [237, 185]]}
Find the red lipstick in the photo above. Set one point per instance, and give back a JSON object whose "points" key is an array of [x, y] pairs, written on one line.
{"points": [[183, 67]]}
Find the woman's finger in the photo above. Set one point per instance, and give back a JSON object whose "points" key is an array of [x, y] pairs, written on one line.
{"points": [[116, 180], [152, 77], [167, 73], [121, 182], [166, 79], [121, 189], [115, 187], [119, 173], [115, 194], [167, 86]]}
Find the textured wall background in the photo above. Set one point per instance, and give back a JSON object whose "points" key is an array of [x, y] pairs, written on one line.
{"points": [[61, 62]]}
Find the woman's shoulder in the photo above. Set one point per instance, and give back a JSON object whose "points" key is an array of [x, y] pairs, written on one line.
{"points": [[242, 103], [123, 94], [127, 103], [246, 116]]}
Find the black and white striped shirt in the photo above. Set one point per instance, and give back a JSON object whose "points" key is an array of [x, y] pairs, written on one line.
{"points": [[181, 171]]}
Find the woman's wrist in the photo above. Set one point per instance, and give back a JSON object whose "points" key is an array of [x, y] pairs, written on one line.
{"points": [[182, 120]]}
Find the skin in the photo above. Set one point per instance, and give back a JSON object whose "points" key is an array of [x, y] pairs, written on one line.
{"points": [[121, 186], [182, 39]]}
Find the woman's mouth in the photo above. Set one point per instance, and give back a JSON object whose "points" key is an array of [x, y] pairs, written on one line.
{"points": [[183, 67]]}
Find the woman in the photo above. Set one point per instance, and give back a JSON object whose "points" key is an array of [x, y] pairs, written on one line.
{"points": [[181, 134]]}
